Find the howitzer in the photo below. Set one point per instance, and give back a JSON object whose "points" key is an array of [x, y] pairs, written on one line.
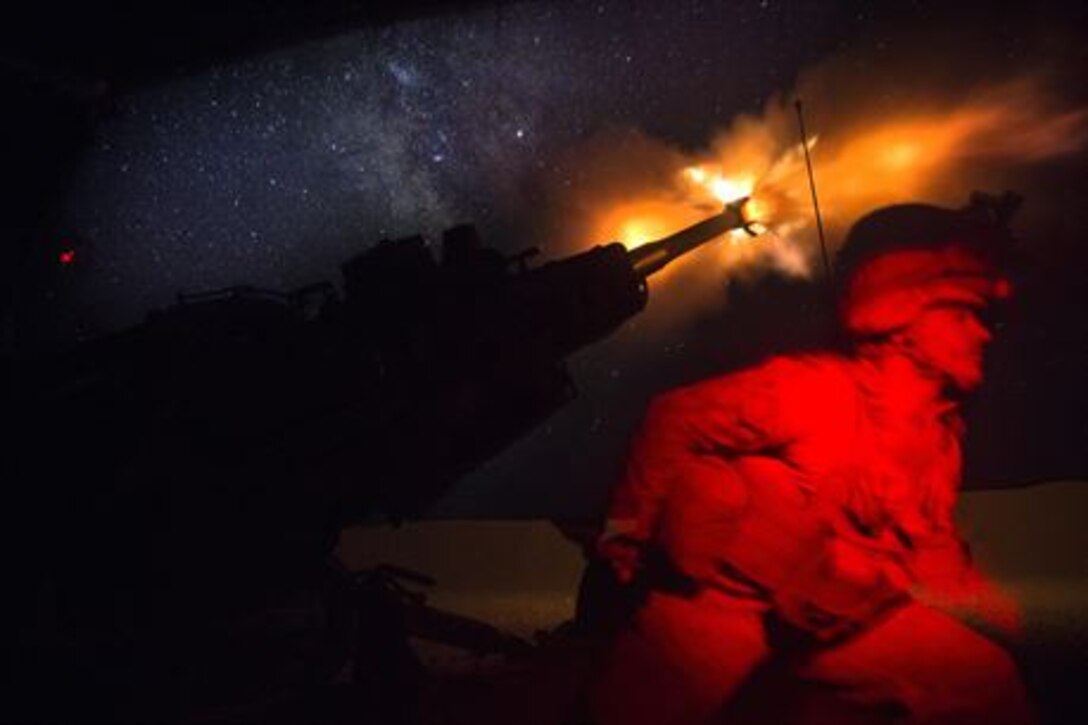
{"points": [[202, 463], [417, 374], [239, 430]]}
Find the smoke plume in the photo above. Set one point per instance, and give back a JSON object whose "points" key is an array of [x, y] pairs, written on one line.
{"points": [[905, 130]]}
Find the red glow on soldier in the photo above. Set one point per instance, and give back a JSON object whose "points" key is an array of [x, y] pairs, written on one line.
{"points": [[792, 517]]}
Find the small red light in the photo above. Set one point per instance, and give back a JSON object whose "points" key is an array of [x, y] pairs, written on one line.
{"points": [[68, 256]]}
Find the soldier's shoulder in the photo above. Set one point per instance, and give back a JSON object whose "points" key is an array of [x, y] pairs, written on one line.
{"points": [[825, 367], [811, 375], [800, 368], [825, 379]]}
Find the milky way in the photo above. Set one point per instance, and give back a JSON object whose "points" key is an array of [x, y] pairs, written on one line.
{"points": [[274, 170]]}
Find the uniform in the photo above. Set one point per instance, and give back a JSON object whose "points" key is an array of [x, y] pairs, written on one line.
{"points": [[780, 522]]}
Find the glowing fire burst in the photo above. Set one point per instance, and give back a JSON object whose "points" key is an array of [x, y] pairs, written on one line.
{"points": [[637, 223], [725, 190], [920, 152]]}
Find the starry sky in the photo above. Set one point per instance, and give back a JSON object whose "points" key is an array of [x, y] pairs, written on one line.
{"points": [[273, 170]]}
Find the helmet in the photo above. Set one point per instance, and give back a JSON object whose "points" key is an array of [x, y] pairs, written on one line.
{"points": [[900, 260]]}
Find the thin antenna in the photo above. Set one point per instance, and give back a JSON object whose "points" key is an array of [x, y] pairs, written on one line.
{"points": [[812, 187]]}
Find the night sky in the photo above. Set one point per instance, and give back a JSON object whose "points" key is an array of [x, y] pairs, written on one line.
{"points": [[272, 170]]}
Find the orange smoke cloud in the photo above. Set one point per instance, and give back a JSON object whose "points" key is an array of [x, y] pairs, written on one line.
{"points": [[930, 154], [866, 154]]}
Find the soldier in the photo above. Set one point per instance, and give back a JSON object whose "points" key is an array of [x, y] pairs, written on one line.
{"points": [[791, 518]]}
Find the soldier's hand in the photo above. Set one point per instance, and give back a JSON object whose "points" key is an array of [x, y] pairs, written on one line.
{"points": [[974, 597]]}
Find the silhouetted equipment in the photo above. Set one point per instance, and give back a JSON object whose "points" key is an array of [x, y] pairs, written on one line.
{"points": [[201, 464], [380, 398], [351, 655]]}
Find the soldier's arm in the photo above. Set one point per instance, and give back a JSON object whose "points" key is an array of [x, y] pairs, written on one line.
{"points": [[948, 578], [686, 447], [946, 574]]}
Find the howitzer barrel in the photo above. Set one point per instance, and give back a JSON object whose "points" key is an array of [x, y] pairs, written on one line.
{"points": [[650, 258], [567, 304]]}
